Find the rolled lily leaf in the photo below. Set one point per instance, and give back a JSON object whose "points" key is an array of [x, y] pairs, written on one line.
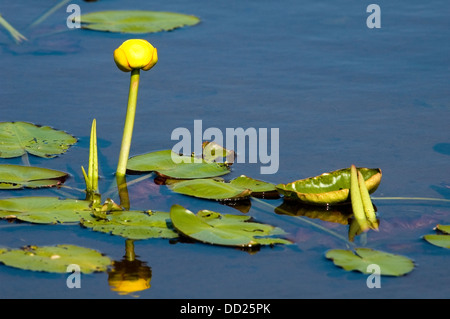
{"points": [[226, 230], [136, 21], [329, 188], [184, 167], [17, 177], [18, 138]]}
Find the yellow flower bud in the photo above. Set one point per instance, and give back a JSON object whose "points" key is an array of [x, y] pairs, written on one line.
{"points": [[135, 54]]}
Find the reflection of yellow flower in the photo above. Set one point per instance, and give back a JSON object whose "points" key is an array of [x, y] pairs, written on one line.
{"points": [[135, 54], [124, 287]]}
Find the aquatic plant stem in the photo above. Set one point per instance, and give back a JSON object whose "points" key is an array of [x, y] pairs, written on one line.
{"points": [[48, 13], [356, 199], [129, 123], [18, 37], [413, 198]]}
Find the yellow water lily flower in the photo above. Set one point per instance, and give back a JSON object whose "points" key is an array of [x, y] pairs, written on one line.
{"points": [[135, 54]]}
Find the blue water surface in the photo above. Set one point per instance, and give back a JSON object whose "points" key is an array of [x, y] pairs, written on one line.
{"points": [[340, 93]]}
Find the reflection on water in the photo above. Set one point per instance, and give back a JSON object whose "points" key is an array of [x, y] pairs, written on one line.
{"points": [[129, 275], [340, 214]]}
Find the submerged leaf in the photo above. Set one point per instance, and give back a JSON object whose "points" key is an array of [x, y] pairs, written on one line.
{"points": [[16, 177], [226, 230], [184, 167], [45, 210], [18, 138], [389, 264], [329, 188], [133, 224], [136, 21], [55, 258]]}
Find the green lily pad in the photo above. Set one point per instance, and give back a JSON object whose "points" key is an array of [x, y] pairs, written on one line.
{"points": [[390, 264], [259, 188], [184, 167], [443, 228], [44, 210], [136, 21], [210, 189], [328, 188], [213, 152], [55, 258], [17, 177], [438, 240], [18, 138], [225, 230], [133, 224]]}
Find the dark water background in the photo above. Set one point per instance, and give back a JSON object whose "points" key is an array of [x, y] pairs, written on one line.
{"points": [[339, 92]]}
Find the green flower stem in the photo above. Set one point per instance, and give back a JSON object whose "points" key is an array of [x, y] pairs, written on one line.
{"points": [[18, 37], [123, 191], [368, 206], [357, 203], [48, 13], [129, 123]]}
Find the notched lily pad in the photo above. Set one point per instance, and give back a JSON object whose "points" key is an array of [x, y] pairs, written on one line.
{"points": [[389, 264], [169, 164], [44, 210], [329, 188], [55, 258], [136, 21], [18, 138], [259, 188], [225, 230], [133, 224], [17, 177]]}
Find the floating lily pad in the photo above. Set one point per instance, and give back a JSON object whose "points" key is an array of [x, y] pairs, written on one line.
{"points": [[226, 230], [259, 188], [136, 21], [184, 167], [55, 258], [390, 264], [213, 152], [16, 177], [443, 228], [45, 210], [210, 189], [133, 224], [18, 138], [329, 188], [438, 240]]}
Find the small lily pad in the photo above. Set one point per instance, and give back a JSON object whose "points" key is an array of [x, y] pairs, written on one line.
{"points": [[55, 258], [438, 240], [259, 188], [329, 188], [17, 177], [390, 264], [45, 210], [169, 164], [133, 224], [18, 138], [136, 21], [226, 230], [210, 189]]}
